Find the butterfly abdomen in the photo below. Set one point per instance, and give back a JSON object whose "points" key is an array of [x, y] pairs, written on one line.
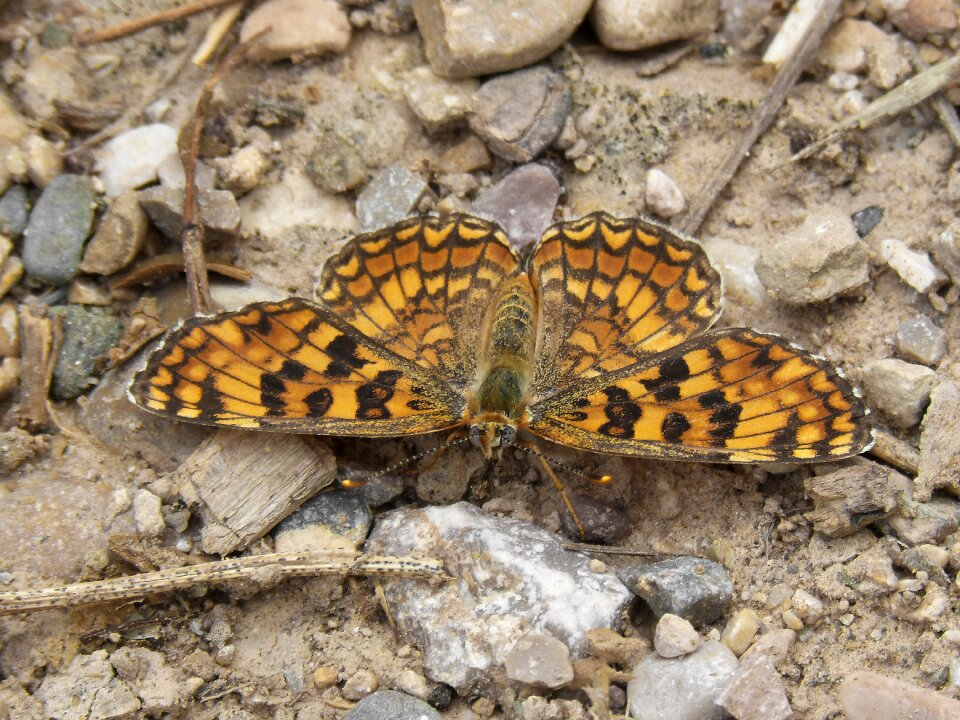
{"points": [[508, 356]]}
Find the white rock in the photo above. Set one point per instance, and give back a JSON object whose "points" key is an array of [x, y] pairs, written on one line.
{"points": [[675, 636], [637, 24], [900, 389], [297, 28], [807, 607], [131, 160], [684, 688], [737, 265], [914, 268], [147, 515], [792, 30], [664, 197]]}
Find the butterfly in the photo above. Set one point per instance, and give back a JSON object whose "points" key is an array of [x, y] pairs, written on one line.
{"points": [[599, 340]]}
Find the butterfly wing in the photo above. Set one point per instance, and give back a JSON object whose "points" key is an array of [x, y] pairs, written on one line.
{"points": [[422, 289], [291, 366], [729, 396], [614, 292]]}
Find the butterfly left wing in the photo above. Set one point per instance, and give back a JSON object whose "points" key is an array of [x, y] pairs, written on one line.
{"points": [[729, 396], [291, 366]]}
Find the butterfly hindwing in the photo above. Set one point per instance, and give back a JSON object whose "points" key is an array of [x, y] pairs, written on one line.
{"points": [[729, 396], [422, 289], [291, 366], [613, 292]]}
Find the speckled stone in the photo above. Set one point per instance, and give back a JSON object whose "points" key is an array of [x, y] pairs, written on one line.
{"points": [[58, 228], [920, 340], [393, 194], [391, 704], [88, 334], [14, 211], [339, 518], [693, 588]]}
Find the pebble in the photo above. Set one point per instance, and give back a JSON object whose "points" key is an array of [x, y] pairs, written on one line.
{"points": [[14, 211], [939, 458], [467, 38], [693, 588], [170, 173], [685, 688], [632, 25], [339, 519], [664, 197], [867, 219], [920, 340], [131, 159], [119, 237], [9, 330], [900, 389], [737, 264], [361, 684], [147, 514], [602, 522], [791, 620], [946, 250], [522, 203], [519, 114], [297, 29], [674, 637], [59, 225], [517, 579], [853, 496], [466, 156], [855, 46], [439, 104], [88, 335], [807, 607], [777, 644], [540, 660], [824, 258], [11, 271], [413, 683], [9, 376], [242, 171], [87, 291], [44, 162], [914, 268], [335, 164], [51, 76], [757, 692], [13, 127], [393, 194], [918, 18], [870, 696], [740, 631], [932, 521], [218, 212], [391, 704], [325, 676]]}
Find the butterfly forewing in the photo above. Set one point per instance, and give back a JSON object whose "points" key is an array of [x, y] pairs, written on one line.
{"points": [[731, 396], [291, 366], [613, 292]]}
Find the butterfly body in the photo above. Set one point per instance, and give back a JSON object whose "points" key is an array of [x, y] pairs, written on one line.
{"points": [[598, 341]]}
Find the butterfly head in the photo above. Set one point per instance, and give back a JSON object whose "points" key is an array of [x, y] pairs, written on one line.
{"points": [[492, 436]]}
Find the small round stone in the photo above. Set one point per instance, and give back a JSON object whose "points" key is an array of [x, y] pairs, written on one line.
{"points": [[664, 197], [393, 705], [541, 660], [325, 676], [792, 620], [675, 636], [807, 607], [740, 631], [413, 683], [360, 684]]}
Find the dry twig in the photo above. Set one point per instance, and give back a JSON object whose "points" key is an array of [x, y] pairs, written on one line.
{"points": [[36, 332], [130, 27], [763, 116], [216, 32]]}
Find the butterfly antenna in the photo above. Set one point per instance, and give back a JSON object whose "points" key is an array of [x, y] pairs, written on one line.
{"points": [[595, 479], [361, 481]]}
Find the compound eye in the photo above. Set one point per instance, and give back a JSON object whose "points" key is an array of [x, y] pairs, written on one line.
{"points": [[507, 435]]}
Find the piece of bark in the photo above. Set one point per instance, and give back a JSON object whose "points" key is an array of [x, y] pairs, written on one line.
{"points": [[245, 483], [36, 341], [855, 496]]}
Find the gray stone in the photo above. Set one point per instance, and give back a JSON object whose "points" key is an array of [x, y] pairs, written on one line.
{"points": [[900, 389], [438, 103], [393, 194], [632, 25], [335, 165], [601, 522], [674, 637], [939, 449], [685, 688], [391, 704], [88, 335], [693, 588], [337, 518], [871, 696], [520, 114], [522, 203], [14, 211], [517, 578], [375, 491], [466, 38], [218, 212], [540, 660], [929, 522], [946, 250], [131, 160], [757, 692], [867, 219], [824, 258], [59, 225], [119, 237], [920, 340]]}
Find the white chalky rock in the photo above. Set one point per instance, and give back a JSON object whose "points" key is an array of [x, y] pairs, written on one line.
{"points": [[131, 159], [914, 268], [664, 197]]}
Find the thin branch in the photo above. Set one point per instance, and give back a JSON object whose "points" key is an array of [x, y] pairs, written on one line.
{"points": [[764, 115], [273, 565], [130, 27]]}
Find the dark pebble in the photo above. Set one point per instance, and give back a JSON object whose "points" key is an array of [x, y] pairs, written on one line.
{"points": [[342, 512], [88, 335], [391, 704], [693, 588], [440, 696], [602, 522], [14, 211], [867, 219]]}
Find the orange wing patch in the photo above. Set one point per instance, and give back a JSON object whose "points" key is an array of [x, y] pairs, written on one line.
{"points": [[422, 289], [295, 367], [614, 292], [730, 396]]}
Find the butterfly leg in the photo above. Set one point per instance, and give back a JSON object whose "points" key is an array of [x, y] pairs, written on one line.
{"points": [[535, 451]]}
